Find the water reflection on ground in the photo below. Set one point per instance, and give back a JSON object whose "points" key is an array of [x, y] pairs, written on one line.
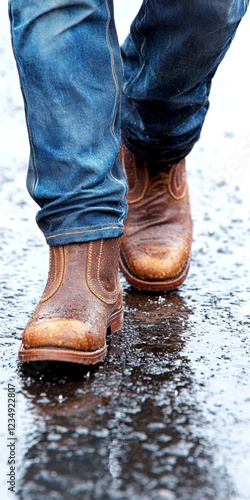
{"points": [[129, 428]]}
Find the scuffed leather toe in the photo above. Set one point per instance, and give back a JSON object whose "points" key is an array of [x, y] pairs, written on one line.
{"points": [[63, 333]]}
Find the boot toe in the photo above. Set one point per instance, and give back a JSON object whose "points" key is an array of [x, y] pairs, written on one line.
{"points": [[157, 263], [64, 334]]}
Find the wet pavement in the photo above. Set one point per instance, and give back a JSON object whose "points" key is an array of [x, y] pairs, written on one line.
{"points": [[167, 415]]}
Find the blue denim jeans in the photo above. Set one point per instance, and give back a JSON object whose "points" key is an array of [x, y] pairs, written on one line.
{"points": [[77, 101]]}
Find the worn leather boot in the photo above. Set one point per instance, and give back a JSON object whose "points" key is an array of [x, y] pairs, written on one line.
{"points": [[81, 300], [156, 245]]}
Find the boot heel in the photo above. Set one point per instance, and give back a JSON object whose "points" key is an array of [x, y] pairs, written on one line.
{"points": [[116, 322]]}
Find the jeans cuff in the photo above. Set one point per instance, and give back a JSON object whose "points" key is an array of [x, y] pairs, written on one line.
{"points": [[161, 153], [81, 235]]}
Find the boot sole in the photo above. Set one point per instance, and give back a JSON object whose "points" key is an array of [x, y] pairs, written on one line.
{"points": [[69, 355], [154, 286]]}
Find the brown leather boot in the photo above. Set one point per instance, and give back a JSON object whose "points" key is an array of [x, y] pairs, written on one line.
{"points": [[81, 300], [156, 245]]}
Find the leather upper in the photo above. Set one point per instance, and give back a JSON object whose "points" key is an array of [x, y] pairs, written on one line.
{"points": [[158, 229], [82, 292]]}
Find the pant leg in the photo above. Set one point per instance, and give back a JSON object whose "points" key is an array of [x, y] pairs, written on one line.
{"points": [[70, 72], [170, 57]]}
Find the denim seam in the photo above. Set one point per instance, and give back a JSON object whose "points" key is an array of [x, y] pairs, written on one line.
{"points": [[117, 91], [19, 68], [113, 73], [84, 231], [118, 180]]}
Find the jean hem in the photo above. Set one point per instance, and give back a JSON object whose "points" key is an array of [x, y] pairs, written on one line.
{"points": [[83, 235], [151, 154]]}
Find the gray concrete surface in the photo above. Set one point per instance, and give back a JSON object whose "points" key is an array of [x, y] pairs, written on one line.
{"points": [[167, 415]]}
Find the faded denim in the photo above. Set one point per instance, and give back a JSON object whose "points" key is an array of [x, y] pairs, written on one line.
{"points": [[71, 76]]}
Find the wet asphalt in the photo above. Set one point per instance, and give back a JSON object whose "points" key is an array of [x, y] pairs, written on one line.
{"points": [[167, 414]]}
